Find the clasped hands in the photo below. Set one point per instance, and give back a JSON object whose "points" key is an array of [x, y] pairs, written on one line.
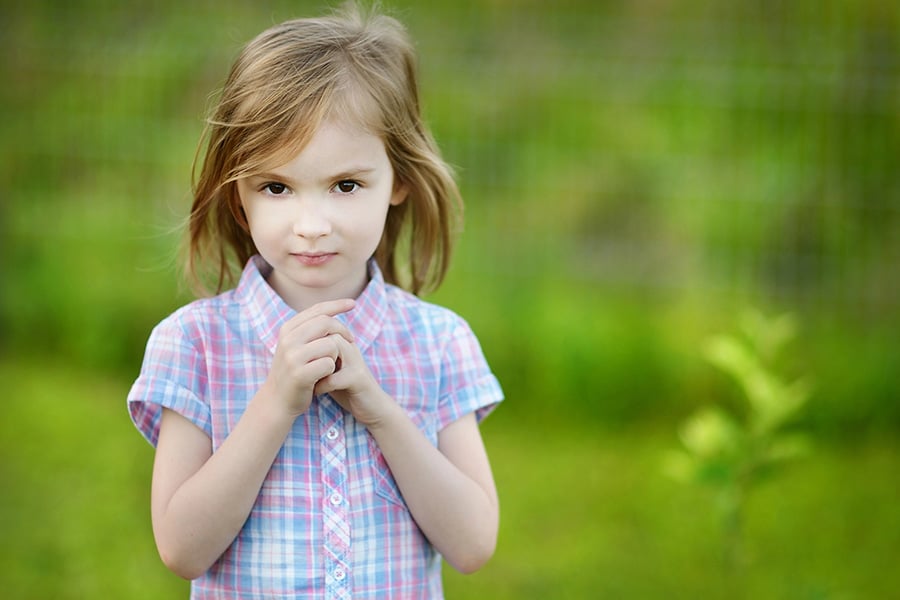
{"points": [[316, 354]]}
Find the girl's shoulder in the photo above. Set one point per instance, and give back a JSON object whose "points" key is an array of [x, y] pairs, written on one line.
{"points": [[198, 316], [416, 312]]}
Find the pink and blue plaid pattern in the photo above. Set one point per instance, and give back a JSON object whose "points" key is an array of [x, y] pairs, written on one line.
{"points": [[329, 521]]}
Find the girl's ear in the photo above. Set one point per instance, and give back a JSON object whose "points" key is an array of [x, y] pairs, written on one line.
{"points": [[401, 191]]}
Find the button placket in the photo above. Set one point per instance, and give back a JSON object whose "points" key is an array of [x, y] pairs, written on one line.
{"points": [[335, 512]]}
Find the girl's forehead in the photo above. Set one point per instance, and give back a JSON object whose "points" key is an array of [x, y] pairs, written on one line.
{"points": [[337, 127]]}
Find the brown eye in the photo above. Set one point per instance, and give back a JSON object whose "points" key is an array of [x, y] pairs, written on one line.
{"points": [[276, 189], [346, 187]]}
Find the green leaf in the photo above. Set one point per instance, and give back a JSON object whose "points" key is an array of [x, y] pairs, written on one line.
{"points": [[711, 433], [783, 402], [728, 354]]}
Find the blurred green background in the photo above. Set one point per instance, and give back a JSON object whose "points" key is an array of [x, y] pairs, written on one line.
{"points": [[635, 173]]}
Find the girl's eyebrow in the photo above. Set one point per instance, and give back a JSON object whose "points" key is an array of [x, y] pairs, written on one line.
{"points": [[352, 172], [347, 173]]}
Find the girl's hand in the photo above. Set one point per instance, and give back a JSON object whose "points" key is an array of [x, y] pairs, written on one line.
{"points": [[354, 387], [309, 347]]}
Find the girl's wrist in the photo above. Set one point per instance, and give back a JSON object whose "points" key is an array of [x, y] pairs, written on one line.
{"points": [[388, 417], [269, 397]]}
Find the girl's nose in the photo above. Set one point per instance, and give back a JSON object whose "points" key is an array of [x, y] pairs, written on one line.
{"points": [[310, 220]]}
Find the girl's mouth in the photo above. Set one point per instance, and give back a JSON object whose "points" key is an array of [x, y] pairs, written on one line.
{"points": [[313, 259]]}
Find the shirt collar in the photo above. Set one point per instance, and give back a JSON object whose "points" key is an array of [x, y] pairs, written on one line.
{"points": [[267, 312]]}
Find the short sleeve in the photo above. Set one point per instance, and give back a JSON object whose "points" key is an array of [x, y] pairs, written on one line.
{"points": [[173, 376], [467, 383]]}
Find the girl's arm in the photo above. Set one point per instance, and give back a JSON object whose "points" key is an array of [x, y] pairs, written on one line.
{"points": [[200, 498], [449, 489]]}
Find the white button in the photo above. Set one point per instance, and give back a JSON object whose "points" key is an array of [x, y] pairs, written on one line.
{"points": [[336, 499], [339, 574], [332, 434]]}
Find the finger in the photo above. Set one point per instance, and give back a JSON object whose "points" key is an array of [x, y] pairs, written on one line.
{"points": [[320, 369], [324, 327], [344, 346], [350, 369], [324, 386], [302, 332], [324, 347], [320, 311], [349, 361], [329, 308], [330, 382]]}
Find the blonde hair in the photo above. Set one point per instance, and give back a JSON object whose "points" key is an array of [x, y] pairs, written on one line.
{"points": [[284, 84]]}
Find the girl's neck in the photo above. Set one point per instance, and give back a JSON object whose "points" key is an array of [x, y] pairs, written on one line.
{"points": [[301, 298]]}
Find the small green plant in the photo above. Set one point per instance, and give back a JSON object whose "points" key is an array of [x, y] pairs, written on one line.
{"points": [[734, 452]]}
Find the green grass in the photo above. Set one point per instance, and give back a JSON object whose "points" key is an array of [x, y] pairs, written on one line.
{"points": [[75, 479], [586, 511], [588, 514]]}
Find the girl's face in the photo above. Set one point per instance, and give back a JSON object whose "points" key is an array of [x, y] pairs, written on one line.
{"points": [[319, 218]]}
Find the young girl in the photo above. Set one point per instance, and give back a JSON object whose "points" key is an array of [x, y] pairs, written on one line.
{"points": [[316, 427]]}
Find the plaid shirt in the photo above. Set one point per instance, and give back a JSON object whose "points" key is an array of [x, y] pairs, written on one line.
{"points": [[329, 521]]}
